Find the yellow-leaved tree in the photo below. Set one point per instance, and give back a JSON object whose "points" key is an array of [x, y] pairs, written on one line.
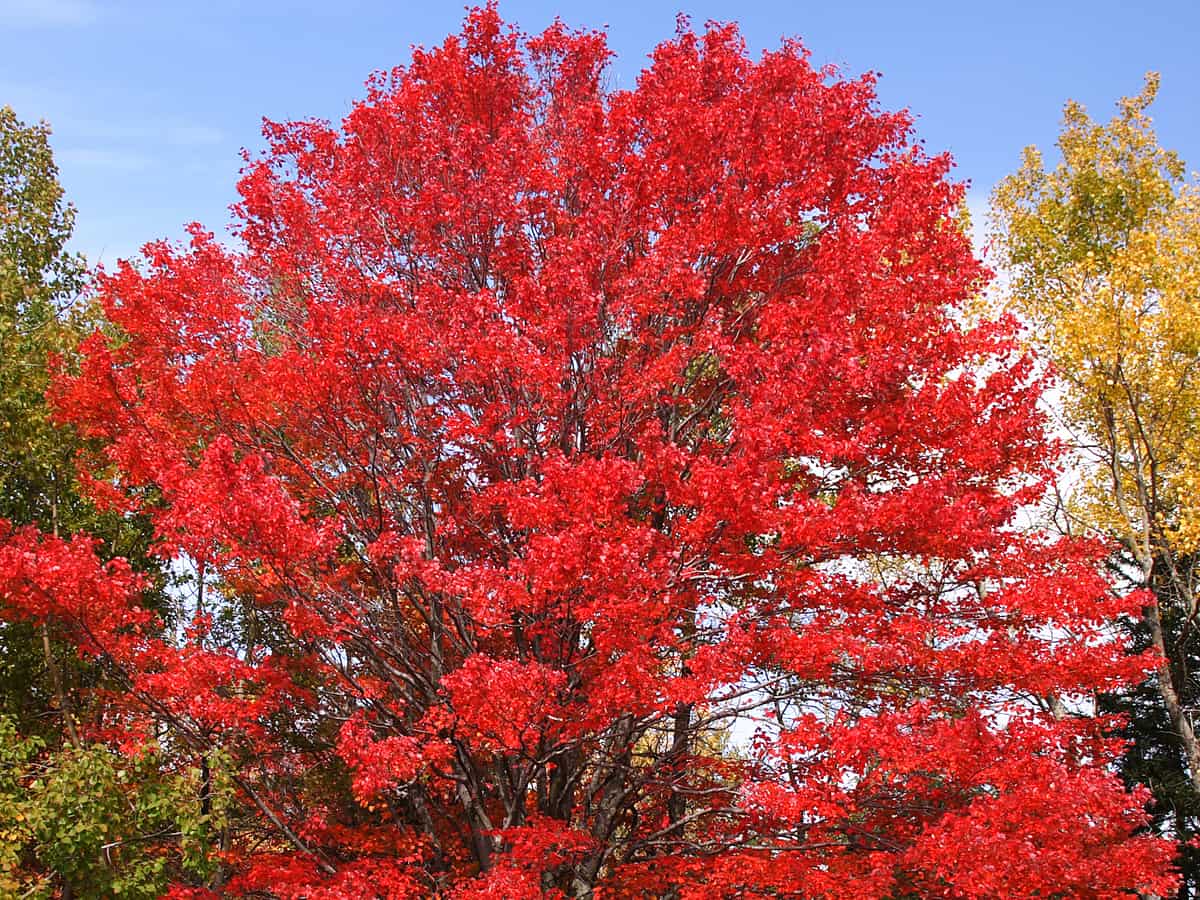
{"points": [[1102, 260]]}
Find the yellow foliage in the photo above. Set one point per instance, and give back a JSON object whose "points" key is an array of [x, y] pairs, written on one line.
{"points": [[1103, 253]]}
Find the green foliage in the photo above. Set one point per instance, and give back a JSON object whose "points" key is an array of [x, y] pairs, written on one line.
{"points": [[39, 280], [42, 320], [100, 823]]}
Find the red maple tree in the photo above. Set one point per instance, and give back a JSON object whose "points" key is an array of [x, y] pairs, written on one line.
{"points": [[599, 494]]}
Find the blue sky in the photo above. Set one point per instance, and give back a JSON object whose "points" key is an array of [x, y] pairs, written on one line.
{"points": [[151, 101]]}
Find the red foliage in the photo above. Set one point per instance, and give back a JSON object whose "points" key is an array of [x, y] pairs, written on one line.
{"points": [[545, 444]]}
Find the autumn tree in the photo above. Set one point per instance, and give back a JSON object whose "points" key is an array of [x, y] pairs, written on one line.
{"points": [[1104, 256], [39, 279], [36, 276], [599, 493], [73, 816], [42, 319]]}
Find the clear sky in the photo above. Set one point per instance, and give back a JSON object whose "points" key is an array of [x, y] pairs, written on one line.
{"points": [[151, 101]]}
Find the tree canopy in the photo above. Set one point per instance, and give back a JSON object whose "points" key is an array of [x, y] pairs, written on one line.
{"points": [[595, 494], [1103, 251]]}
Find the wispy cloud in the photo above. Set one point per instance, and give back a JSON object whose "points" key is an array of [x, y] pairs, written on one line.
{"points": [[114, 147], [82, 122], [193, 135], [102, 158], [175, 133], [48, 13]]}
